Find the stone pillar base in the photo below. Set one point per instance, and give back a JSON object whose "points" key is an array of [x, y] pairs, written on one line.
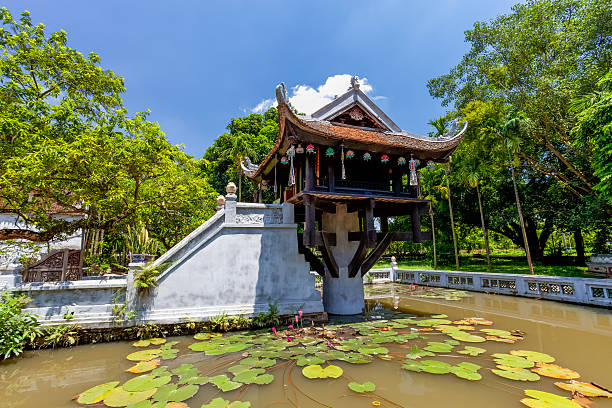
{"points": [[342, 295]]}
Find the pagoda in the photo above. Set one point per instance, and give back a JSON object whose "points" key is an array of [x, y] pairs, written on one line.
{"points": [[341, 168]]}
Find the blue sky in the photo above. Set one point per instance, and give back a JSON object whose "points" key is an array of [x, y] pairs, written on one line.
{"points": [[197, 64]]}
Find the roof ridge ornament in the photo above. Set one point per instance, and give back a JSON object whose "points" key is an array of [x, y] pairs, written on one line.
{"points": [[282, 96], [354, 82]]}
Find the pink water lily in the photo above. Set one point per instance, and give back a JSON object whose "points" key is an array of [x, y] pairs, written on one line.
{"points": [[290, 327], [274, 330], [289, 339], [300, 313], [297, 319]]}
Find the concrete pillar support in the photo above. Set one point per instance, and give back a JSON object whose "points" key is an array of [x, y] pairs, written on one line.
{"points": [[230, 203], [342, 295]]}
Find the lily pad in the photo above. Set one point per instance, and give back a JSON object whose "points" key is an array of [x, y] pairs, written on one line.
{"points": [[411, 365], [316, 371], [435, 367], [145, 382], [144, 355], [224, 384], [310, 360], [144, 366], [418, 353], [221, 403], [534, 356], [119, 397], [183, 393], [467, 337], [586, 389], [465, 373], [516, 374], [365, 387], [555, 371], [471, 351], [541, 399], [97, 393], [373, 350], [512, 361], [437, 347]]}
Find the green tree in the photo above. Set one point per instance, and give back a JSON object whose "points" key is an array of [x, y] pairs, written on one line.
{"points": [[66, 142], [593, 130], [536, 60], [249, 136]]}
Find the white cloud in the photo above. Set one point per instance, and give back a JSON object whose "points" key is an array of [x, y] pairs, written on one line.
{"points": [[307, 99], [264, 106]]}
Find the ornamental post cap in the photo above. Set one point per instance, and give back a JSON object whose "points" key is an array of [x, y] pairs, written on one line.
{"points": [[393, 259], [220, 200], [230, 188]]}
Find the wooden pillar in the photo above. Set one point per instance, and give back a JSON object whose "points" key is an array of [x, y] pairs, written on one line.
{"points": [[397, 181], [416, 224], [309, 222], [310, 175], [369, 224], [330, 175], [384, 223]]}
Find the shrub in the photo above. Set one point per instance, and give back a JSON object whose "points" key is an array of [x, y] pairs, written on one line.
{"points": [[16, 327]]}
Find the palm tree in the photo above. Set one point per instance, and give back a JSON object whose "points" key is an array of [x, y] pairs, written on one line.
{"points": [[470, 171], [440, 126], [510, 124]]}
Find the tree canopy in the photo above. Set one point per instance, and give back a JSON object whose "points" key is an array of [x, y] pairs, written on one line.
{"points": [[67, 144]]}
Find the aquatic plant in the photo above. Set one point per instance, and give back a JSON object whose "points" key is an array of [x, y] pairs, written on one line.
{"points": [[250, 359], [17, 328]]}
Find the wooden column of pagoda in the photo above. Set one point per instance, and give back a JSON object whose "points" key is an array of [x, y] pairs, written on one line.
{"points": [[372, 244]]}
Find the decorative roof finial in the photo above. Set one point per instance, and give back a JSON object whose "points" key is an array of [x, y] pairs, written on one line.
{"points": [[355, 82]]}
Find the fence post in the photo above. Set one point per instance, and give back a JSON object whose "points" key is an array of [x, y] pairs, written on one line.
{"points": [[393, 269]]}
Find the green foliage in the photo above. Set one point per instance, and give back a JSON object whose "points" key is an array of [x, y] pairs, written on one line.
{"points": [[269, 319], [594, 128], [64, 335], [146, 278], [520, 87], [137, 240], [16, 327], [67, 141], [251, 136]]}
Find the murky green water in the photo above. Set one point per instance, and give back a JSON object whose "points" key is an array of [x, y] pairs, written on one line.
{"points": [[580, 338]]}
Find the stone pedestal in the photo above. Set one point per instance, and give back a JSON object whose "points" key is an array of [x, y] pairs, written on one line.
{"points": [[342, 295]]}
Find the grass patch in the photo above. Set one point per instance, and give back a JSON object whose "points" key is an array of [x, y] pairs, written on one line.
{"points": [[469, 264]]}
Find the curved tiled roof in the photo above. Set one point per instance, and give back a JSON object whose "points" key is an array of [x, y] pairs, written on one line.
{"points": [[377, 139]]}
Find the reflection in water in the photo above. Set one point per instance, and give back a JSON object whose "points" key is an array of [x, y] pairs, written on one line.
{"points": [[578, 336]]}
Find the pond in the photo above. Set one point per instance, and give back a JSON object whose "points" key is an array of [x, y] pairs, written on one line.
{"points": [[413, 345]]}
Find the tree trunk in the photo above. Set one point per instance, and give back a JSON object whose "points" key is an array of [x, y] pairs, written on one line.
{"points": [[450, 207], [239, 185], [579, 247], [484, 229], [433, 237], [520, 213]]}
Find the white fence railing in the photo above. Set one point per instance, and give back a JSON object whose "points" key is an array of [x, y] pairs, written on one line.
{"points": [[590, 291]]}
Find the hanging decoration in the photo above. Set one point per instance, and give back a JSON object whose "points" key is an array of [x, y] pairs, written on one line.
{"points": [[431, 165], [384, 158], [299, 149], [284, 160], [329, 152], [413, 176], [310, 149], [342, 160], [264, 184], [367, 156], [401, 161], [419, 185], [291, 153], [350, 154]]}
